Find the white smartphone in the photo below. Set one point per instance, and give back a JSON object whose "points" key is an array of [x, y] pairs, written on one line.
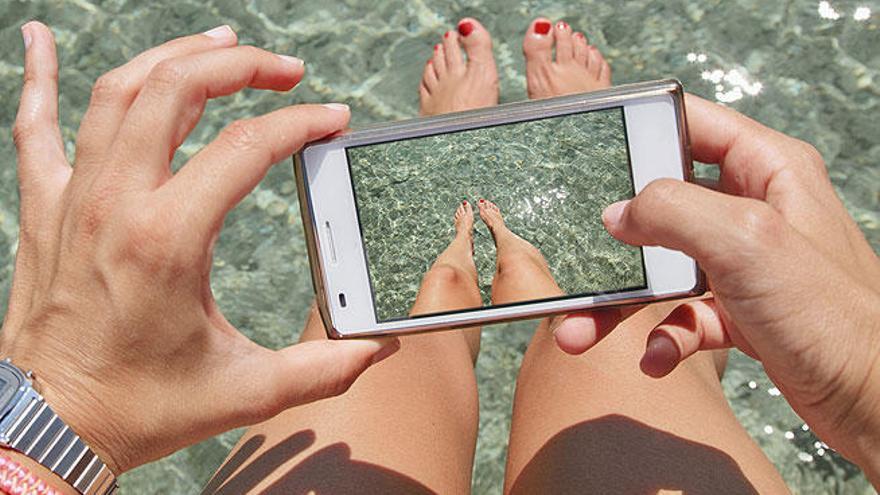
{"points": [[378, 207]]}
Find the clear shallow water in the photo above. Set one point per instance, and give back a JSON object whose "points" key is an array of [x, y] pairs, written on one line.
{"points": [[550, 178], [817, 67]]}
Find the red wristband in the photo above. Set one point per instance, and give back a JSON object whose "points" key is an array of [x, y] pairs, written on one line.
{"points": [[16, 479]]}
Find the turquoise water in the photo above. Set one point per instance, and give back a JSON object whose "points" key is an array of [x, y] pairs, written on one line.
{"points": [[807, 68]]}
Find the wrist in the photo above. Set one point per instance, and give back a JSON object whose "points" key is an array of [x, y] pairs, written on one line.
{"points": [[38, 472]]}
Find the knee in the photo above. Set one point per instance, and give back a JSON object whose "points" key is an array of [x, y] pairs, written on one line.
{"points": [[444, 275], [520, 263]]}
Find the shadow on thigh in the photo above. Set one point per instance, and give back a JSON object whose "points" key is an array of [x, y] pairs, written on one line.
{"points": [[328, 470], [597, 456]]}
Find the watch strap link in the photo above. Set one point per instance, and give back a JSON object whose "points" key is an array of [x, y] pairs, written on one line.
{"points": [[41, 435]]}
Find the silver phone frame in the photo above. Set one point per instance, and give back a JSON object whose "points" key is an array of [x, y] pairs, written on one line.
{"points": [[511, 112]]}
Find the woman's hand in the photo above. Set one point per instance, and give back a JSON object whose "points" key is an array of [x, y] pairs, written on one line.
{"points": [[794, 282], [111, 302]]}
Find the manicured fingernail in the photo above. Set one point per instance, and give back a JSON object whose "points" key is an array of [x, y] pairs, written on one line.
{"points": [[542, 27], [295, 63], [661, 355], [386, 351], [26, 36], [339, 107], [465, 28], [614, 213], [220, 32], [561, 25]]}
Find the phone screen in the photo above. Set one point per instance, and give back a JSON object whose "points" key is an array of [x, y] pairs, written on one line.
{"points": [[544, 184]]}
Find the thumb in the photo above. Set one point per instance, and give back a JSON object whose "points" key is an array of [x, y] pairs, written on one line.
{"points": [[315, 370]]}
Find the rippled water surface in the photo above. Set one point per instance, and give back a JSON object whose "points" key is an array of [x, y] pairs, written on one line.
{"points": [[807, 68]]}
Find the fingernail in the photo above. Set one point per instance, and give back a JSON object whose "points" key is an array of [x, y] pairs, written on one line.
{"points": [[465, 28], [220, 32], [295, 63], [339, 107], [661, 355], [542, 27], [26, 36], [614, 213], [561, 25], [387, 351]]}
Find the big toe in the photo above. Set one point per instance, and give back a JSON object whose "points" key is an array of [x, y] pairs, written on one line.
{"points": [[476, 40], [538, 41]]}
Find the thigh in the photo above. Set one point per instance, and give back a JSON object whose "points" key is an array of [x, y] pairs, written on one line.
{"points": [[595, 424], [408, 425]]}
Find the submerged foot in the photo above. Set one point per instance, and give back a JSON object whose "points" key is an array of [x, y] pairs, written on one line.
{"points": [[464, 219], [452, 82], [491, 215], [578, 66]]}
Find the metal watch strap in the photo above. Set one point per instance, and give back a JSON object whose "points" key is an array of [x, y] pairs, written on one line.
{"points": [[42, 436]]}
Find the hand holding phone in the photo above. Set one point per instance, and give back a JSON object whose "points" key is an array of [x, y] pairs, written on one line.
{"points": [[794, 282]]}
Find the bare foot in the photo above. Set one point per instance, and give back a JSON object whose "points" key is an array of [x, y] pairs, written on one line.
{"points": [[450, 83], [491, 215], [578, 68], [464, 219]]}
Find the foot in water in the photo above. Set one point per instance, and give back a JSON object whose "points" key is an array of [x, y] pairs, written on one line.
{"points": [[464, 222], [578, 66], [461, 74], [491, 215]]}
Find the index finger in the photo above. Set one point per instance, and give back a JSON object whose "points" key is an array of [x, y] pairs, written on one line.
{"points": [[748, 152]]}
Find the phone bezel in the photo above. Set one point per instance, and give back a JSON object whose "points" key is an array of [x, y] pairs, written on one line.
{"points": [[337, 257]]}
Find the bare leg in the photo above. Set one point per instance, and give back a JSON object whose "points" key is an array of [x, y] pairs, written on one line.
{"points": [[408, 425], [596, 424]]}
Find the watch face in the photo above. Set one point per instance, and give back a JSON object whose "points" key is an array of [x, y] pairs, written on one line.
{"points": [[10, 380]]}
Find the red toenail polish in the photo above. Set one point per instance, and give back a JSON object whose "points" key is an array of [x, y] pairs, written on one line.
{"points": [[465, 28], [561, 25], [542, 27], [436, 47], [446, 34]]}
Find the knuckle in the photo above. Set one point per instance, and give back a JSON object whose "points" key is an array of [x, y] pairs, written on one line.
{"points": [[110, 86], [657, 195], [759, 225], [242, 134], [167, 76], [22, 132]]}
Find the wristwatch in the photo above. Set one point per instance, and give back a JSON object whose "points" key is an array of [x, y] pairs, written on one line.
{"points": [[28, 425]]}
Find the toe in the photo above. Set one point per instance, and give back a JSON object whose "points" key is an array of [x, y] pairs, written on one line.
{"points": [[439, 61], [429, 77], [476, 41], [604, 70], [594, 62], [452, 51], [538, 41], [581, 50], [564, 43]]}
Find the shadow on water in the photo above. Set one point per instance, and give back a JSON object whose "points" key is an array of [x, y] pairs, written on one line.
{"points": [[615, 454], [329, 470]]}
